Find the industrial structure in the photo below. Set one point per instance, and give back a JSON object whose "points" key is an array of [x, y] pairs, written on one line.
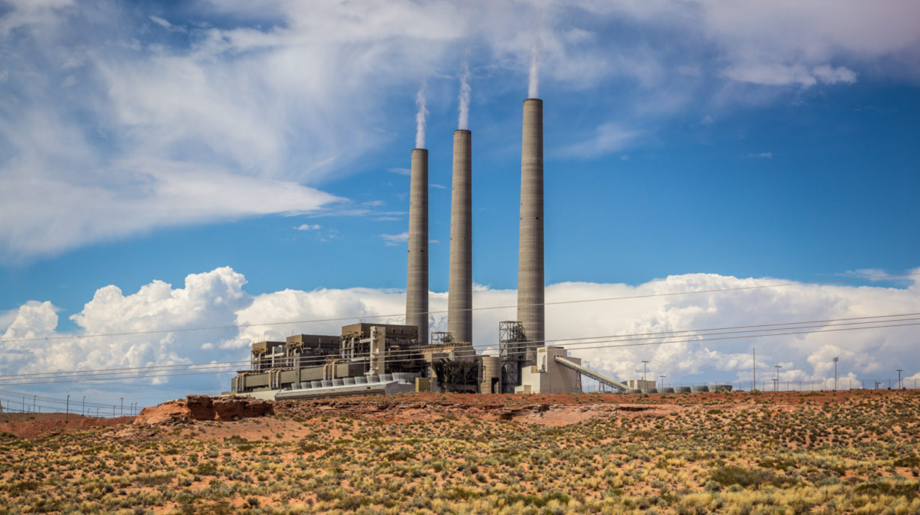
{"points": [[370, 358], [417, 274], [530, 251], [460, 289]]}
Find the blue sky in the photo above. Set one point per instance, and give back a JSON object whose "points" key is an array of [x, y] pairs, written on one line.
{"points": [[151, 141]]}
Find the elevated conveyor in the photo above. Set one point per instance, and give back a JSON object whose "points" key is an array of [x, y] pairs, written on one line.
{"points": [[590, 373]]}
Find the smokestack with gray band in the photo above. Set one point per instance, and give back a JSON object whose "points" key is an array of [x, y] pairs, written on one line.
{"points": [[417, 277], [530, 257], [460, 295]]}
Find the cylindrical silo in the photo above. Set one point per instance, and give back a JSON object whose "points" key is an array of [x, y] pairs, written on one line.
{"points": [[417, 277], [530, 258], [491, 375], [460, 293]]}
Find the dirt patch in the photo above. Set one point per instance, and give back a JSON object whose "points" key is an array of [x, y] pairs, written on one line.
{"points": [[49, 424]]}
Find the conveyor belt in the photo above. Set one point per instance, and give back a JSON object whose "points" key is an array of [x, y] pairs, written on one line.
{"points": [[590, 373]]}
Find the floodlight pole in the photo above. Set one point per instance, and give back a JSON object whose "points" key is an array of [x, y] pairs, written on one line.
{"points": [[662, 380], [899, 378], [836, 359], [644, 370], [776, 386]]}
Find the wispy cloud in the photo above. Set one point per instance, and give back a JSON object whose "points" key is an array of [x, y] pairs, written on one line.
{"points": [[267, 107], [400, 171], [760, 155], [166, 25], [438, 186], [395, 239], [786, 75], [308, 227], [607, 139]]}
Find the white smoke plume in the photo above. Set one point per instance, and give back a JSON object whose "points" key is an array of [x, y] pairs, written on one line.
{"points": [[464, 122], [420, 117], [534, 88]]}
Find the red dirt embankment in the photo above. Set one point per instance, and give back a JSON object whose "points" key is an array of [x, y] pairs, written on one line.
{"points": [[38, 425], [202, 407]]}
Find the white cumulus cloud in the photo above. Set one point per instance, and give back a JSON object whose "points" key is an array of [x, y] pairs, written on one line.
{"points": [[218, 298]]}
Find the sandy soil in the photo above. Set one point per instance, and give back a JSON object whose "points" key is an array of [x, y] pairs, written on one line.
{"points": [[540, 409], [38, 425]]}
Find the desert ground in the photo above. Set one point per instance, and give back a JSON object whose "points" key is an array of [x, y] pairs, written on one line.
{"points": [[734, 453]]}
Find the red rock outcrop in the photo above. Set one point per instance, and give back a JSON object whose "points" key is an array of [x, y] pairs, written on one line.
{"points": [[202, 407]]}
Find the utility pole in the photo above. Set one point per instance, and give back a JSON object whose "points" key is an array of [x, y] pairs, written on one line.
{"points": [[33, 402], [68, 407], [899, 378], [83, 410], [122, 406], [662, 380], [645, 370], [776, 386], [754, 382]]}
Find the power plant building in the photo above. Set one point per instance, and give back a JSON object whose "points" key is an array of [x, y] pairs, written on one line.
{"points": [[375, 358]]}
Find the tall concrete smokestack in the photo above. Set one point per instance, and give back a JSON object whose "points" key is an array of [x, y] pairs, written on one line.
{"points": [[417, 277], [530, 257], [460, 295]]}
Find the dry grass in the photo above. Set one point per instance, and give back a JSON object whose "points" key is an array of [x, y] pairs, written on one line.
{"points": [[734, 454]]}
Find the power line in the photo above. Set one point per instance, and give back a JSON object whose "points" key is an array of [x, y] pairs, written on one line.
{"points": [[397, 315], [150, 367], [51, 400], [103, 380], [156, 370], [309, 359], [595, 345]]}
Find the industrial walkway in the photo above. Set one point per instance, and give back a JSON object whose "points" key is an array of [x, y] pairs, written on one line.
{"points": [[590, 373]]}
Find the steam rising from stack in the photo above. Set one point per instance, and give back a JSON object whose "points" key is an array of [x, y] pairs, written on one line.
{"points": [[464, 121], [531, 246], [460, 292], [417, 274], [530, 249], [533, 90], [420, 117]]}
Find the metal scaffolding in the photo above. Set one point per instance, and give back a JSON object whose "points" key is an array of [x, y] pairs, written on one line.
{"points": [[516, 353], [441, 337]]}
